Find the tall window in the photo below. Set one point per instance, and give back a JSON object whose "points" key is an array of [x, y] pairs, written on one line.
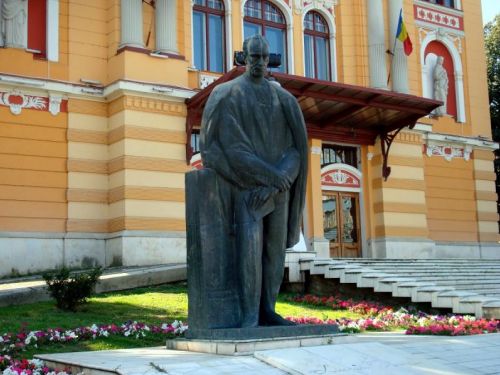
{"points": [[446, 3], [339, 154], [316, 49], [208, 35], [262, 17]]}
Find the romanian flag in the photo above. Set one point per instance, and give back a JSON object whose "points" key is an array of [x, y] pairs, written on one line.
{"points": [[403, 36]]}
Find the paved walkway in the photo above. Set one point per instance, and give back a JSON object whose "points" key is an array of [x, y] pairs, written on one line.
{"points": [[370, 354]]}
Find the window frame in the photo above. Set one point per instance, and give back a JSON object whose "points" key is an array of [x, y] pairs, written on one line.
{"points": [[318, 34], [206, 11], [263, 23], [453, 4]]}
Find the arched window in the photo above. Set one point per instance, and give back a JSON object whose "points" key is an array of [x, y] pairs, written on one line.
{"points": [[316, 49], [262, 17], [208, 35]]}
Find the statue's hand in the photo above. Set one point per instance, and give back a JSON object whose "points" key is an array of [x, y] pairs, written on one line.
{"points": [[282, 181], [260, 195]]}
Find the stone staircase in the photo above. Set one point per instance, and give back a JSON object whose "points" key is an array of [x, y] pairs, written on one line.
{"points": [[467, 286]]}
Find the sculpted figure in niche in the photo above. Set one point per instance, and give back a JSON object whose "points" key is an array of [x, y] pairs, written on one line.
{"points": [[13, 23], [440, 78], [253, 136]]}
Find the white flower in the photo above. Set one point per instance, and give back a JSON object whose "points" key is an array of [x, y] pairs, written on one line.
{"points": [[37, 362], [31, 337]]}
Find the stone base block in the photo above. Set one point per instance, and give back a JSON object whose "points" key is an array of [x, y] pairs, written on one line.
{"points": [[249, 346], [322, 247], [418, 248], [25, 253], [262, 332]]}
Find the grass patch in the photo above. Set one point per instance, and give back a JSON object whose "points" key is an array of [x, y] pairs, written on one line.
{"points": [[289, 308], [152, 305]]}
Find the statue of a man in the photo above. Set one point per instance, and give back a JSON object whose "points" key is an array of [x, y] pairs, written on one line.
{"points": [[13, 23], [440, 77], [254, 137]]}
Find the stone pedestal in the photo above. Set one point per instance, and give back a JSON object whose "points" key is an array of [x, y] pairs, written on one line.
{"points": [[226, 342], [211, 258]]}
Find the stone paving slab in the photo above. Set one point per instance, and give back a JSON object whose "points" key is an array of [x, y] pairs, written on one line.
{"points": [[373, 353]]}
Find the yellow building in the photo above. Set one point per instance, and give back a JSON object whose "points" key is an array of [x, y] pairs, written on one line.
{"points": [[100, 103]]}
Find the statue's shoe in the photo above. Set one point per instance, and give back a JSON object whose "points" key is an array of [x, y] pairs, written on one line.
{"points": [[274, 319]]}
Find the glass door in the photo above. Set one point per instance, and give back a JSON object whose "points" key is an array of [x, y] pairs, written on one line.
{"points": [[341, 223]]}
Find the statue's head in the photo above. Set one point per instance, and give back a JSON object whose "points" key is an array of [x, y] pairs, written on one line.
{"points": [[256, 53], [440, 60]]}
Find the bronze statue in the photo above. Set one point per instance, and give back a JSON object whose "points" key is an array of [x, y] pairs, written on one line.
{"points": [[254, 150]]}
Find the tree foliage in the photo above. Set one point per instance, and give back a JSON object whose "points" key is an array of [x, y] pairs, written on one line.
{"points": [[492, 43]]}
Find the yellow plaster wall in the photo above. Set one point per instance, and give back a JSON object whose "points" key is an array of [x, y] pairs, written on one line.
{"points": [[88, 40], [352, 42], [33, 154], [113, 27], [451, 204], [314, 205], [475, 74]]}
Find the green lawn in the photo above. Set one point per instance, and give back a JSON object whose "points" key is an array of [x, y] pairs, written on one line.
{"points": [[154, 305]]}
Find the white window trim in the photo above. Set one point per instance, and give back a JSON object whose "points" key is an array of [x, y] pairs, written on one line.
{"points": [[457, 65], [52, 30], [287, 12], [330, 20]]}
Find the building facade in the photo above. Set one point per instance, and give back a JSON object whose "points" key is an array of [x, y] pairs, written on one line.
{"points": [[95, 131]]}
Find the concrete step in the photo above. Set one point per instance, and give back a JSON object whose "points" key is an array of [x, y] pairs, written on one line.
{"points": [[35, 290], [463, 285]]}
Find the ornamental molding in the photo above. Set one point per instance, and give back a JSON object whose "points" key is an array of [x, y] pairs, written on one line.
{"points": [[299, 6], [453, 146], [441, 35], [206, 80], [17, 101], [438, 17], [316, 150], [340, 177], [448, 151], [196, 162]]}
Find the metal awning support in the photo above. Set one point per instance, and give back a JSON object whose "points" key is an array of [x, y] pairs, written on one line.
{"points": [[386, 140]]}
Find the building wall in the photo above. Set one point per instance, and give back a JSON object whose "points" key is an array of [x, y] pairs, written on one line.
{"points": [[103, 182]]}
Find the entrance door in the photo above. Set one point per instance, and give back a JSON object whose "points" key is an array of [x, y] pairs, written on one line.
{"points": [[341, 223]]}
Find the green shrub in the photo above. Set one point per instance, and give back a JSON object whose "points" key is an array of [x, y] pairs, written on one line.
{"points": [[69, 291]]}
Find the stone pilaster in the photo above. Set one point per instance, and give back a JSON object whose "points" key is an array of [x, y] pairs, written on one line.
{"points": [[399, 65], [376, 44], [131, 24], [166, 26]]}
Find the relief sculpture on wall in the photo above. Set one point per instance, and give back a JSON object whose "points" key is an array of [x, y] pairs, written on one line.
{"points": [[13, 23]]}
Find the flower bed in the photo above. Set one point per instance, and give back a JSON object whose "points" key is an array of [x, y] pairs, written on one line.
{"points": [[12, 344], [382, 318], [26, 367]]}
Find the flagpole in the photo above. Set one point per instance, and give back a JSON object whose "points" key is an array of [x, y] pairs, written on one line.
{"points": [[393, 48]]}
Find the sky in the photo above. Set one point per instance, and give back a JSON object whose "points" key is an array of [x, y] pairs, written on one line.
{"points": [[490, 9]]}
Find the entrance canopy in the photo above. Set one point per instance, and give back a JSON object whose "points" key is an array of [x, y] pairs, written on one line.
{"points": [[336, 112]]}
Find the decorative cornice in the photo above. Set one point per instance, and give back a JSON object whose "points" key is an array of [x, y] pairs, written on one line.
{"points": [[57, 91], [452, 146], [300, 5]]}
